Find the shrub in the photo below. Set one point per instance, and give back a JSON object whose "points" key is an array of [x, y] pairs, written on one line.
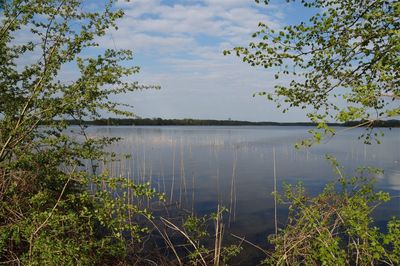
{"points": [[336, 226]]}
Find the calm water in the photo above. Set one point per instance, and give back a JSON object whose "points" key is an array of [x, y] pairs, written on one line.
{"points": [[234, 166]]}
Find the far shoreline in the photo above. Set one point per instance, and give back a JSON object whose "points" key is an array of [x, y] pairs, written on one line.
{"points": [[211, 122]]}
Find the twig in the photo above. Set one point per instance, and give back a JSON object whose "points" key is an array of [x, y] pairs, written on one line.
{"points": [[50, 214], [173, 226], [166, 239], [275, 196], [251, 244]]}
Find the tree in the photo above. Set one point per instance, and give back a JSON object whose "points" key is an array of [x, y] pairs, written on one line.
{"points": [[349, 50], [48, 214]]}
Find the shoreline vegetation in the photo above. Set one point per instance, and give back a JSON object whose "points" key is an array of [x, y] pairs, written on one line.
{"points": [[65, 201], [211, 122]]}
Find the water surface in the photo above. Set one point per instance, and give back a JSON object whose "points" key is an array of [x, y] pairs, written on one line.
{"points": [[201, 166]]}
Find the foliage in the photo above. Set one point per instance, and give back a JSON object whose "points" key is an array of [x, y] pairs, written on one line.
{"points": [[196, 227], [343, 64], [48, 214], [336, 226], [340, 65], [202, 245]]}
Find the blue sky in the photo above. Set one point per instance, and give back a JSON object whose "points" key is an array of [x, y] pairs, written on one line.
{"points": [[179, 45]]}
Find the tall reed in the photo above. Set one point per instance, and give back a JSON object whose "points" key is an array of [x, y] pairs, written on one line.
{"points": [[232, 205]]}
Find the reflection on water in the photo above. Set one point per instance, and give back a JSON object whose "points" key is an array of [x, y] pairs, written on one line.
{"points": [[199, 167]]}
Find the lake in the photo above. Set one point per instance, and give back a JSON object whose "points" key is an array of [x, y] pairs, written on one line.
{"points": [[201, 166]]}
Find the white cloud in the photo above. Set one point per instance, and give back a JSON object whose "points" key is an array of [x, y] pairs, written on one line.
{"points": [[138, 42], [230, 19], [187, 39]]}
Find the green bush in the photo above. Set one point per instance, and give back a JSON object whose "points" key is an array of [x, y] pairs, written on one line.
{"points": [[48, 214], [336, 226]]}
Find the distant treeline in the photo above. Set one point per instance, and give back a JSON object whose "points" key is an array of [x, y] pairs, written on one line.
{"points": [[202, 122]]}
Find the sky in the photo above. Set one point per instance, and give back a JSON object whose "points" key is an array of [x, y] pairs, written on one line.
{"points": [[179, 45]]}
